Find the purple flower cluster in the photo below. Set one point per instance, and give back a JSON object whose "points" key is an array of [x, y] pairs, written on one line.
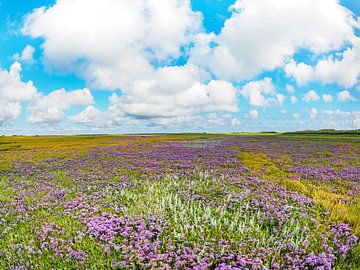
{"points": [[49, 236], [326, 173]]}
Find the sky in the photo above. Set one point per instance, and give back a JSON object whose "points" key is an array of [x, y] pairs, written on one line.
{"points": [[138, 66]]}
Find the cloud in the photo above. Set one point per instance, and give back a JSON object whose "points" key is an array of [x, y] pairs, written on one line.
{"points": [[313, 114], [255, 37], [12, 92], [213, 120], [345, 96], [191, 122], [293, 99], [150, 100], [134, 60], [341, 68], [255, 91], [27, 55], [50, 108], [9, 111], [176, 91], [311, 96], [327, 98], [290, 88], [106, 51], [252, 114], [12, 88], [344, 71], [141, 62], [262, 93], [94, 117], [296, 115], [91, 116], [302, 73], [336, 112], [239, 52], [280, 98], [235, 122], [355, 122]]}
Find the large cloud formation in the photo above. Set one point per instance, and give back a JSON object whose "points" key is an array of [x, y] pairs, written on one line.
{"points": [[158, 55], [261, 35], [114, 45]]}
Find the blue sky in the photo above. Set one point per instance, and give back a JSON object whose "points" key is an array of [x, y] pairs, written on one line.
{"points": [[91, 66]]}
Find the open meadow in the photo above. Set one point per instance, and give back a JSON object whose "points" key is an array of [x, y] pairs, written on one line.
{"points": [[187, 201]]}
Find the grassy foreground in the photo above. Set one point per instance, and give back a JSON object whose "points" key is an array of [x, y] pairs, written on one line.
{"points": [[184, 201]]}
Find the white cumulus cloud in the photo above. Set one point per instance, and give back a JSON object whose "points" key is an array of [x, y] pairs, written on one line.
{"points": [[235, 121], [110, 43], [255, 37], [12, 92], [262, 93], [313, 114], [50, 108], [311, 96], [355, 122], [290, 88], [254, 114], [327, 98], [131, 46], [345, 96], [9, 111], [302, 73], [344, 71], [293, 99], [12, 88]]}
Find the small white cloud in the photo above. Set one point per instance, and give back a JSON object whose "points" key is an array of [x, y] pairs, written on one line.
{"points": [[235, 122], [262, 93], [255, 91], [296, 115], [290, 88], [252, 114], [345, 96], [327, 98], [280, 98], [293, 99], [336, 112], [311, 96], [313, 114], [301, 72], [27, 54]]}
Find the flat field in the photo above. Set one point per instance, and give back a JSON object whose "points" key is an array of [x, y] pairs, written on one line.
{"points": [[187, 201]]}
